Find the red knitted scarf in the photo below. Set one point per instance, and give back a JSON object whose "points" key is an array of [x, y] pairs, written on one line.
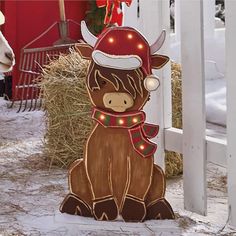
{"points": [[139, 131]]}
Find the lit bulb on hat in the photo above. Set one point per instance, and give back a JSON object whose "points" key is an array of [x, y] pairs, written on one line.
{"points": [[130, 36], [111, 40], [151, 83], [140, 46]]}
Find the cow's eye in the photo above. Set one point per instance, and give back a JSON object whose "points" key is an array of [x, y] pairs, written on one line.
{"points": [[103, 82]]}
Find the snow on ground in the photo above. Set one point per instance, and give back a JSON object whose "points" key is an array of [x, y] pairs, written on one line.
{"points": [[216, 101], [30, 192]]}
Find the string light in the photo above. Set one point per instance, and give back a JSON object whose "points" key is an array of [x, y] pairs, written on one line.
{"points": [[140, 46], [121, 122], [111, 40], [135, 120], [141, 147], [102, 117], [130, 36]]}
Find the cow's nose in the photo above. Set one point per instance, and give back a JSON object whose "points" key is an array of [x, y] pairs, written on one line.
{"points": [[110, 102], [9, 55], [118, 102]]}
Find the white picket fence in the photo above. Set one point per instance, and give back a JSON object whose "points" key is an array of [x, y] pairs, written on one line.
{"points": [[194, 20]]}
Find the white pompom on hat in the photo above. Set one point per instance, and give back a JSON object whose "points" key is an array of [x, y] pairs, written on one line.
{"points": [[2, 18], [151, 82]]}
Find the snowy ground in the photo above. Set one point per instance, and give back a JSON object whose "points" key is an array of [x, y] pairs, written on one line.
{"points": [[30, 193]]}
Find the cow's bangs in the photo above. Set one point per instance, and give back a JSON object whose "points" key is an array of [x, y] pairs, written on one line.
{"points": [[130, 80]]}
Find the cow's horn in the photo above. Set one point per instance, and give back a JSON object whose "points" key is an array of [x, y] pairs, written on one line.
{"points": [[87, 35], [159, 42], [2, 18]]}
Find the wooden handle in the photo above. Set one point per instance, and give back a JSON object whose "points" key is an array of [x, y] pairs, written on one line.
{"points": [[62, 10]]}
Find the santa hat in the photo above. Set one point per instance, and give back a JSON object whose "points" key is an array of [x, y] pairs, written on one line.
{"points": [[2, 18], [124, 48]]}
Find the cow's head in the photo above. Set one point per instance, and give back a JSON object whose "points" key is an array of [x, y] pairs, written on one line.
{"points": [[7, 58], [120, 73]]}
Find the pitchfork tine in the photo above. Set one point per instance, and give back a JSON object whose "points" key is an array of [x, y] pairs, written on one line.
{"points": [[22, 86], [22, 62], [28, 81], [37, 64], [39, 96], [31, 80], [35, 88], [32, 83]]}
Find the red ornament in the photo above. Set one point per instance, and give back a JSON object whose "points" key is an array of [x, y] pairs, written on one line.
{"points": [[114, 13]]}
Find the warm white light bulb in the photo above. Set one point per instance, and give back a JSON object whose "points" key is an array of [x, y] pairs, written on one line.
{"points": [[111, 40], [130, 36], [141, 147], [102, 117], [140, 46], [121, 122]]}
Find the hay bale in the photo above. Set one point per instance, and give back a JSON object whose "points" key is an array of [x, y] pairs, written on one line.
{"points": [[176, 84], [68, 108], [173, 160]]}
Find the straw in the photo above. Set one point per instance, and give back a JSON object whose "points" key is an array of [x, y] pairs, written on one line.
{"points": [[68, 108]]}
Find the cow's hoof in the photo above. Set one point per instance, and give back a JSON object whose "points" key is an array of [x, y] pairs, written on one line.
{"points": [[75, 206], [105, 209], [160, 209], [133, 210]]}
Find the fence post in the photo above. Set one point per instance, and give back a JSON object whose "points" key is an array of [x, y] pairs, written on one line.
{"points": [[231, 107], [155, 16], [194, 144]]}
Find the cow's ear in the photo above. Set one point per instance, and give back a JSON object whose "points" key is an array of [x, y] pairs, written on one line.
{"points": [[158, 61], [85, 50]]}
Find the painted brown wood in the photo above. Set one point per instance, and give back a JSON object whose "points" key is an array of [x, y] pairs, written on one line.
{"points": [[114, 177]]}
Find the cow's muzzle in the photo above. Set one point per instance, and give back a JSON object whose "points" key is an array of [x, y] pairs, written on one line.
{"points": [[118, 102]]}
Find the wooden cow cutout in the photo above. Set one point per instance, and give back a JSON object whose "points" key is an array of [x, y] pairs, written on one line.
{"points": [[118, 174]]}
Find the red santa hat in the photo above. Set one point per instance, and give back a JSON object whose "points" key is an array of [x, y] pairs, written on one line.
{"points": [[124, 48]]}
